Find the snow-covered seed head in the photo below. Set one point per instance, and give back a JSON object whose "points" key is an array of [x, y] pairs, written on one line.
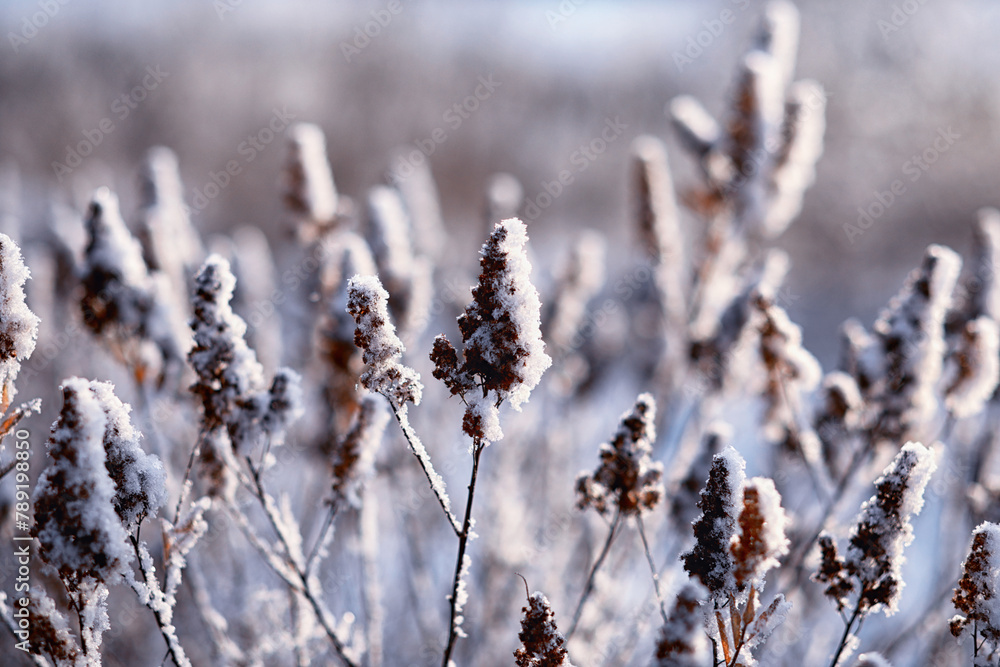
{"points": [[627, 480], [226, 367], [982, 286], [310, 194], [778, 35], [874, 557], [542, 645], [976, 368], [977, 596], [581, 278], [354, 457], [230, 381], [833, 572], [761, 539], [682, 641], [139, 478], [791, 370], [50, 633], [911, 334], [115, 278], [367, 302], [501, 332], [710, 561], [170, 241], [795, 163], [18, 325], [656, 205], [78, 530]]}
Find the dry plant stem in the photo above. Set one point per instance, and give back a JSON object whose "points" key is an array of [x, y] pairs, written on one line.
{"points": [[847, 633], [463, 541], [652, 568], [589, 587], [290, 572], [174, 649], [182, 496], [425, 465], [321, 538]]}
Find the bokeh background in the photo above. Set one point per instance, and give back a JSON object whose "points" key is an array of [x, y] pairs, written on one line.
{"points": [[564, 68]]}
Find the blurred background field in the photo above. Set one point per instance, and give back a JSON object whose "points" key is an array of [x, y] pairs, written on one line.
{"points": [[563, 70]]}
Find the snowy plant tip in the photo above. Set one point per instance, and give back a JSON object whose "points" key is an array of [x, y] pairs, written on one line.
{"points": [[710, 561], [682, 641], [872, 565], [18, 325], [761, 540], [80, 534], [504, 356], [627, 479], [978, 593], [367, 302], [541, 642]]}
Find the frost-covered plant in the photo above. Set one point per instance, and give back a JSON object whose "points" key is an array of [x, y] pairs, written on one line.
{"points": [[710, 560], [405, 275], [375, 334], [682, 641], [541, 643], [870, 570], [503, 356], [627, 483], [977, 596], [976, 369], [738, 538], [121, 298], [169, 240], [627, 480], [18, 325], [309, 192], [86, 501], [354, 458], [910, 334], [238, 407]]}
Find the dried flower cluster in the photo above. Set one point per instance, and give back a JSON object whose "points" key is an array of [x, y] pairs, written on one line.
{"points": [[503, 353], [871, 567], [977, 596], [541, 643], [627, 481]]}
